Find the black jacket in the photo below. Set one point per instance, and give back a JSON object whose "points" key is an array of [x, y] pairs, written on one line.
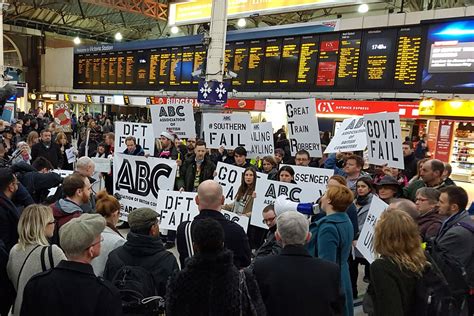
{"points": [[312, 285], [71, 289], [410, 166], [209, 286], [137, 152], [38, 184], [270, 247], [9, 217], [147, 252], [235, 239], [188, 173], [53, 154]]}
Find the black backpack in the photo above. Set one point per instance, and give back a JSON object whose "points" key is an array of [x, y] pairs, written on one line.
{"points": [[137, 291]]}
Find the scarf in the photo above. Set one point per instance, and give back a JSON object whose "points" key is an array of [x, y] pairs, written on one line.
{"points": [[363, 199]]}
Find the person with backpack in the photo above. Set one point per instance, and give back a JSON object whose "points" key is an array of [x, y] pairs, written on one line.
{"points": [[142, 264], [394, 276], [33, 253]]}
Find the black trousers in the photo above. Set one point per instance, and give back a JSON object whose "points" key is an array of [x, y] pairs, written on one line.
{"points": [[354, 272]]}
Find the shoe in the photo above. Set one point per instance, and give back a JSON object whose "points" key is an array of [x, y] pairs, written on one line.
{"points": [[169, 244], [123, 225]]}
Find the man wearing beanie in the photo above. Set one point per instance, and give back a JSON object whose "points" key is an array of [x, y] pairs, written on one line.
{"points": [[167, 150], [144, 249], [71, 288]]}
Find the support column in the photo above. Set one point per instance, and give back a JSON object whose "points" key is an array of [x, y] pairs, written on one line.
{"points": [[217, 33], [2, 66]]}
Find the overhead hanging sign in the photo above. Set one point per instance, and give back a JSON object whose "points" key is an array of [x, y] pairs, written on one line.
{"points": [[227, 130], [262, 140], [303, 129], [349, 137], [142, 132], [138, 180], [213, 92], [384, 139], [175, 118]]}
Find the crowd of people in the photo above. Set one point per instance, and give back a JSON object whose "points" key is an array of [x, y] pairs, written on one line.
{"points": [[61, 250]]}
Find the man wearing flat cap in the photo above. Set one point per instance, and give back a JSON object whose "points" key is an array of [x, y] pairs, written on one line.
{"points": [[145, 249], [71, 288]]}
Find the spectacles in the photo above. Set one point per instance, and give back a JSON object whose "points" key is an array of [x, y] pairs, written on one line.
{"points": [[268, 220], [96, 243]]}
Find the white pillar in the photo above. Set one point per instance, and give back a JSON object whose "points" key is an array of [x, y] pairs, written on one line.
{"points": [[217, 32]]}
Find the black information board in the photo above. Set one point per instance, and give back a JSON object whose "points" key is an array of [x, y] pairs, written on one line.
{"points": [[308, 62], [349, 56], [255, 63], [290, 54], [271, 65], [327, 65], [408, 62], [240, 61]]}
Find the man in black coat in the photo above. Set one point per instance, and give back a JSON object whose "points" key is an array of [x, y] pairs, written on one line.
{"points": [[293, 282], [196, 169], [38, 179], [9, 213], [209, 201], [409, 160], [47, 149], [71, 288]]}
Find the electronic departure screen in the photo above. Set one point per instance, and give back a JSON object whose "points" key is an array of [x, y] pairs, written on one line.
{"points": [[164, 73], [271, 68], [120, 69], [408, 58], [199, 60], [154, 67], [104, 69], [306, 74], [129, 68], [290, 53], [112, 69], [96, 70], [349, 56], [328, 52], [241, 60], [175, 66], [187, 65], [142, 60], [256, 62], [80, 62], [449, 58], [377, 65]]}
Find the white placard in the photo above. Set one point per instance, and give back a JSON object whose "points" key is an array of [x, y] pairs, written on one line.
{"points": [[142, 132], [267, 191], [138, 180], [303, 129], [365, 243], [319, 177], [63, 173], [227, 130], [350, 136], [102, 164], [242, 220], [70, 155], [175, 118], [384, 139], [262, 140]]}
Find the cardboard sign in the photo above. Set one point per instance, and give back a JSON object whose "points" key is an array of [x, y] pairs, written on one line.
{"points": [[142, 132], [174, 118], [365, 243], [262, 140], [70, 155], [102, 164], [303, 129], [349, 137], [229, 131], [318, 177], [138, 180], [177, 207], [384, 139], [267, 191], [63, 173], [62, 116]]}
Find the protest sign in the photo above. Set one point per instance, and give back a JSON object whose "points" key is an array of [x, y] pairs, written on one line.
{"points": [[261, 140], [384, 139], [303, 129], [63, 173], [267, 191], [62, 117], [319, 177], [350, 136], [174, 118], [142, 132], [102, 164], [70, 155], [139, 179], [227, 130], [242, 220], [365, 243]]}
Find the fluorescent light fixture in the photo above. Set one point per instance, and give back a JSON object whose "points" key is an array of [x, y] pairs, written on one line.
{"points": [[363, 8], [241, 22], [118, 36], [77, 40], [174, 29]]}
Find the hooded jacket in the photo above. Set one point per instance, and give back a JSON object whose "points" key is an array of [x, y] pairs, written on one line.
{"points": [[64, 210]]}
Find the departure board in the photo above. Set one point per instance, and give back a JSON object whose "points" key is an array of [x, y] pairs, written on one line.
{"points": [[120, 69], [187, 65], [129, 68], [96, 70], [164, 67], [377, 66], [80, 69], [154, 67], [104, 69], [199, 60], [241, 60], [308, 62], [112, 77], [175, 66], [348, 64], [271, 68], [88, 70], [142, 67], [327, 66], [255, 65], [290, 53], [408, 62]]}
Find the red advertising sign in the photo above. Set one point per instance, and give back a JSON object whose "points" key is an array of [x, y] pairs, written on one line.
{"points": [[433, 128], [250, 105], [357, 107], [443, 146]]}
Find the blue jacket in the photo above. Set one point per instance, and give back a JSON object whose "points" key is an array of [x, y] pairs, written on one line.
{"points": [[331, 163], [335, 232]]}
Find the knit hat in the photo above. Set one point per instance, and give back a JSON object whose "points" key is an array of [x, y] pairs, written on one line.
{"points": [[167, 135], [79, 233], [141, 217]]}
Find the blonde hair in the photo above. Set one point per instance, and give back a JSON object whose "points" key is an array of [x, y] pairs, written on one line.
{"points": [[60, 136], [31, 135], [32, 224], [397, 237]]}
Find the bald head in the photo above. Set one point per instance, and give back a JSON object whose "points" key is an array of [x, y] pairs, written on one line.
{"points": [[209, 196], [405, 206]]}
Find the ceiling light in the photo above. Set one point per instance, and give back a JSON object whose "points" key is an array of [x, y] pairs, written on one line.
{"points": [[363, 8], [77, 40], [174, 29], [118, 36], [241, 22]]}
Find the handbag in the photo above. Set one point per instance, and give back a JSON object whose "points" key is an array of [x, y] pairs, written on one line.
{"points": [[247, 306]]}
